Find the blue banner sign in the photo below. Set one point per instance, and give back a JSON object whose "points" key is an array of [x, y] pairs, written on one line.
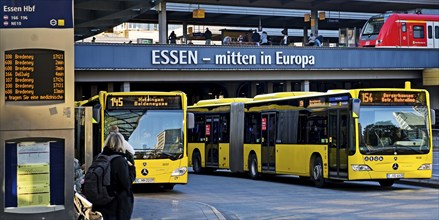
{"points": [[36, 14]]}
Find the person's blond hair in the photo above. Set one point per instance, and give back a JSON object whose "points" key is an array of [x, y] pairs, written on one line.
{"points": [[114, 142], [114, 128]]}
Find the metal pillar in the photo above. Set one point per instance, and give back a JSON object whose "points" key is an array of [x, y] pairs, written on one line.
{"points": [[185, 33], [125, 87], [163, 23], [305, 86], [314, 23]]}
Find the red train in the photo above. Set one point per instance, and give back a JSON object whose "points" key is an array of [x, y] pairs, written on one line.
{"points": [[401, 30]]}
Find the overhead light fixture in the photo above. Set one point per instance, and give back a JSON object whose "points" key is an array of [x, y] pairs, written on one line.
{"points": [[198, 13], [306, 17]]}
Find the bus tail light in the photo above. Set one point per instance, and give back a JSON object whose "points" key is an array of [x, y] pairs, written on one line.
{"points": [[361, 167], [426, 166], [179, 171]]}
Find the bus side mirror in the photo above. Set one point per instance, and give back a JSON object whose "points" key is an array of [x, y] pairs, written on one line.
{"points": [[97, 113], [190, 120], [433, 116], [356, 108]]}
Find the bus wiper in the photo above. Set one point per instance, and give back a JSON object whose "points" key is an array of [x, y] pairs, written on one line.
{"points": [[171, 156], [381, 150], [407, 148]]}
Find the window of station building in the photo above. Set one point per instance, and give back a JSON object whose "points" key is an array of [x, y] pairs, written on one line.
{"points": [[244, 90], [278, 87], [296, 86], [418, 31], [252, 123], [260, 88]]}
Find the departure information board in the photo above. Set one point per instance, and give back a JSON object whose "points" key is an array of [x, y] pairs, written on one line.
{"points": [[143, 102], [34, 75], [392, 98]]}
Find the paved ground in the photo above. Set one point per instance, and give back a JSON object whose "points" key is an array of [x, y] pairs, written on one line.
{"points": [[146, 208]]}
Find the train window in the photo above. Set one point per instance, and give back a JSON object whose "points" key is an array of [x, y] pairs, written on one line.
{"points": [[418, 31], [404, 27], [430, 32], [436, 32]]}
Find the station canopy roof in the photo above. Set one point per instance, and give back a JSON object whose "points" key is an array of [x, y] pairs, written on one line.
{"points": [[95, 16]]}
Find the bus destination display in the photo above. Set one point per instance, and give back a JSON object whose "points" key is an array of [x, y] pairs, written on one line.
{"points": [[34, 75], [397, 98], [144, 102]]}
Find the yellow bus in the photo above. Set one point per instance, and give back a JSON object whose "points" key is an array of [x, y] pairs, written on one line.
{"points": [[154, 123], [339, 135]]}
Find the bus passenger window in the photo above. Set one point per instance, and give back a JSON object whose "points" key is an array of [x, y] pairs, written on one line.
{"points": [[404, 27], [418, 31], [224, 135]]}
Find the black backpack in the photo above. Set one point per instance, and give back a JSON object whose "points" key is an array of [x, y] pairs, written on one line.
{"points": [[97, 179]]}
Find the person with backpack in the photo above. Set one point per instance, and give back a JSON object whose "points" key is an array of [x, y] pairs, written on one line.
{"points": [[108, 181]]}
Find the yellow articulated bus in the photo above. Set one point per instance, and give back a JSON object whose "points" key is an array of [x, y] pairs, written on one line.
{"points": [[360, 134], [154, 123]]}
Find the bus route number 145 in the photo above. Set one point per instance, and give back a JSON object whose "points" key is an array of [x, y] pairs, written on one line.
{"points": [[117, 101]]}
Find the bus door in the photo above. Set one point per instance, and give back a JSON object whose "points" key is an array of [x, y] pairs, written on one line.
{"points": [[84, 135], [212, 140], [268, 132], [338, 121]]}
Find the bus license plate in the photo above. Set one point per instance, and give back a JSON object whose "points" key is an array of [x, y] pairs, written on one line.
{"points": [[146, 180], [395, 175]]}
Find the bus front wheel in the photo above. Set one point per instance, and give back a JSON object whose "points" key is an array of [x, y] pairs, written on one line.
{"points": [[317, 173], [253, 167], [196, 163]]}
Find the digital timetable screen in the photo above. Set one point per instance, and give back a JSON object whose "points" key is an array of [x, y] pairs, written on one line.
{"points": [[34, 75], [392, 98], [143, 102]]}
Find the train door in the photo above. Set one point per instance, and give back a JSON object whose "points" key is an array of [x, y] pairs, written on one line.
{"points": [[403, 35], [432, 34], [212, 140], [338, 121], [268, 132]]}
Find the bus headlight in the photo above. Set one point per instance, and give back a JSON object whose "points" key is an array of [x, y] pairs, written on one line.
{"points": [[361, 167], [179, 171], [427, 166]]}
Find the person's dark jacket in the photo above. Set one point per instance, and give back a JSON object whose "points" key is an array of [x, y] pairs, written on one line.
{"points": [[208, 34], [122, 177], [256, 37]]}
